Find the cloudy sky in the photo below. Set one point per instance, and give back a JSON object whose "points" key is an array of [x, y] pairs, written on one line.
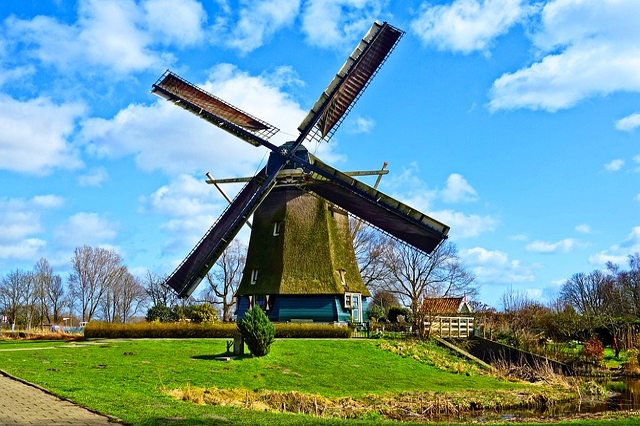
{"points": [[515, 122]]}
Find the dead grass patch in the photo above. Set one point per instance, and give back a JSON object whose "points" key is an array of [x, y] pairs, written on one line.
{"points": [[405, 406]]}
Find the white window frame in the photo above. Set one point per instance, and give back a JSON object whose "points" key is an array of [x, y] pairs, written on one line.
{"points": [[348, 300], [254, 276], [277, 228]]}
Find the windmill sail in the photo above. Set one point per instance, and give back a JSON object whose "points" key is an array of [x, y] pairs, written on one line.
{"points": [[213, 109], [354, 76], [194, 268], [336, 101], [376, 208]]}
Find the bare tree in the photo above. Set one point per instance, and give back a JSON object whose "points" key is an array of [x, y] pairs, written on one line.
{"points": [[416, 276], [12, 295], [370, 246], [628, 283], [225, 277], [50, 291], [159, 294], [587, 293], [132, 297], [31, 297], [94, 272]]}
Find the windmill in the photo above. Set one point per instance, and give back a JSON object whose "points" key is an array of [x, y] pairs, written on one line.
{"points": [[294, 178]]}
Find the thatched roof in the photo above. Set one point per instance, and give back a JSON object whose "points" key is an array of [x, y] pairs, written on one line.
{"points": [[306, 258]]}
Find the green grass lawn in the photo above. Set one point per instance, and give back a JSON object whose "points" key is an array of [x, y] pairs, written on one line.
{"points": [[127, 378]]}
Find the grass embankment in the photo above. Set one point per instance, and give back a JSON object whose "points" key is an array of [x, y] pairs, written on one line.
{"points": [[135, 379]]}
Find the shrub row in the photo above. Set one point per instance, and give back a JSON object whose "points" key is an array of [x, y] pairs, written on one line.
{"points": [[315, 331], [167, 330], [156, 330]]}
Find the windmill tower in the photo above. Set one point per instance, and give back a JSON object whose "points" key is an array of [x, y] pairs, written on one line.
{"points": [[300, 264]]}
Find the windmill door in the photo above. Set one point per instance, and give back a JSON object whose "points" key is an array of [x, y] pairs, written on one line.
{"points": [[356, 302]]}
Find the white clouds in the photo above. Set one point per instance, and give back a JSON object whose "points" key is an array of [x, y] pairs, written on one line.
{"points": [[49, 201], [618, 253], [84, 228], [118, 35], [94, 178], [563, 246], [584, 228], [187, 192], [259, 20], [34, 135], [614, 165], [458, 189], [409, 188], [263, 96], [163, 137], [465, 225], [495, 267], [21, 223], [338, 23], [19, 73], [589, 48], [180, 22], [360, 124], [18, 222], [26, 249], [628, 123], [467, 25], [188, 204]]}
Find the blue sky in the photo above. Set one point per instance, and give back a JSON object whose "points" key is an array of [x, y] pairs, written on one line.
{"points": [[515, 122]]}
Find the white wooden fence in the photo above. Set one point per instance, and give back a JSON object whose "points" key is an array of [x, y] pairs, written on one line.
{"points": [[450, 326]]}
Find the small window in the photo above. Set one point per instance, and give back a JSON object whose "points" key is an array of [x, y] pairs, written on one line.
{"points": [[347, 301], [277, 227], [341, 273], [254, 276]]}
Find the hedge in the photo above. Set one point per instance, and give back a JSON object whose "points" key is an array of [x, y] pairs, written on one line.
{"points": [[167, 330]]}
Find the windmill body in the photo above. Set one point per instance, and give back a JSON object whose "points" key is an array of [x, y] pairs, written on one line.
{"points": [[301, 263]]}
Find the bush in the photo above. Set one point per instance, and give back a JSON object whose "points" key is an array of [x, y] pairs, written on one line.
{"points": [[204, 313], [593, 350], [183, 313], [257, 331], [395, 311], [632, 364], [377, 312], [160, 313]]}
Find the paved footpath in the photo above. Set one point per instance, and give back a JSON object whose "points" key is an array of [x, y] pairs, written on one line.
{"points": [[23, 404]]}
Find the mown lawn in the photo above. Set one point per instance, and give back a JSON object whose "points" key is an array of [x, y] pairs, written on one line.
{"points": [[127, 378]]}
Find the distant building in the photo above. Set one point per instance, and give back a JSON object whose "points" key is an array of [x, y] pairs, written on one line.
{"points": [[447, 316]]}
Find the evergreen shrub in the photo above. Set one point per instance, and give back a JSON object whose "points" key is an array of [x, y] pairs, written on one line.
{"points": [[396, 311], [204, 313], [160, 313], [257, 331], [377, 312]]}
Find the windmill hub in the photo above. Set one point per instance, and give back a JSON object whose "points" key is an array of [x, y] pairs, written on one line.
{"points": [[293, 171]]}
